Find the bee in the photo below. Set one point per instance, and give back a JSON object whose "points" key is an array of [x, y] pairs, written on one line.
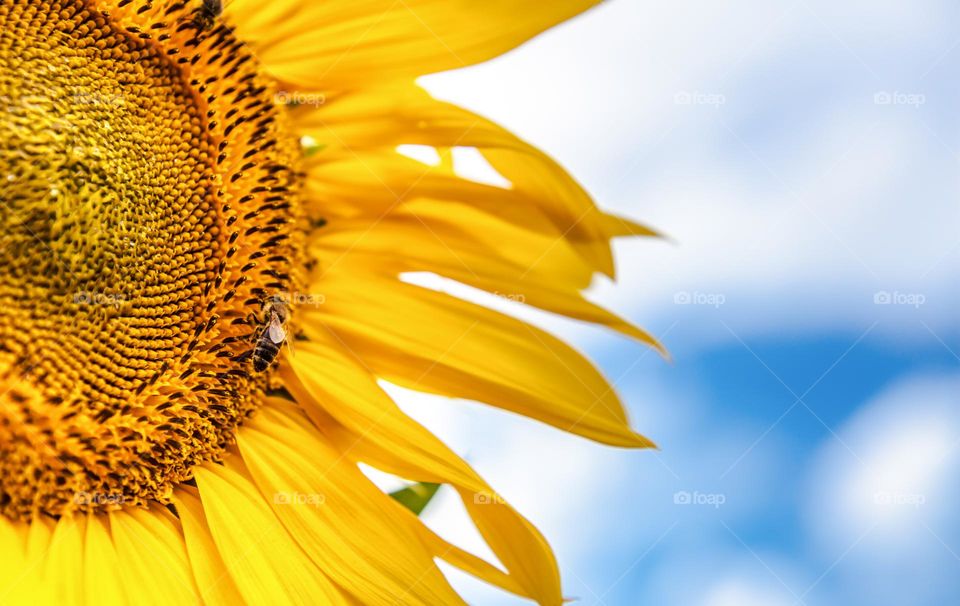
{"points": [[272, 333], [207, 14]]}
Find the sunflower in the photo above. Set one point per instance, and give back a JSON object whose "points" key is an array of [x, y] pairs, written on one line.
{"points": [[205, 225]]}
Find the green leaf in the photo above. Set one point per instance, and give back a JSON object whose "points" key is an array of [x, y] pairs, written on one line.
{"points": [[416, 496]]}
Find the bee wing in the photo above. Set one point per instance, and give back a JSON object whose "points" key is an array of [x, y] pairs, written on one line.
{"points": [[275, 330]]}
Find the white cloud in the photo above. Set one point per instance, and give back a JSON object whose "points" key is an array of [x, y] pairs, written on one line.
{"points": [[714, 575], [890, 466], [739, 592], [882, 496]]}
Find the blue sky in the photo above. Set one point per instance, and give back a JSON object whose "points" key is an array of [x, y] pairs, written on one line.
{"points": [[803, 158]]}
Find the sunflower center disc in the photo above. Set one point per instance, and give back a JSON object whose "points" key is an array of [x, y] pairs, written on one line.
{"points": [[147, 208]]}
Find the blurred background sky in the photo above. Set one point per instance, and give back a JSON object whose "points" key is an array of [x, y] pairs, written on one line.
{"points": [[803, 156]]}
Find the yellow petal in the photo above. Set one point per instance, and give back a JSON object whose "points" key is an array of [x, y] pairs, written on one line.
{"points": [[342, 44], [153, 559], [337, 515], [321, 373], [359, 124], [492, 255], [64, 563], [265, 562], [12, 557], [430, 341], [100, 556], [31, 585], [468, 562], [479, 567], [212, 576], [461, 233], [368, 426], [616, 226]]}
